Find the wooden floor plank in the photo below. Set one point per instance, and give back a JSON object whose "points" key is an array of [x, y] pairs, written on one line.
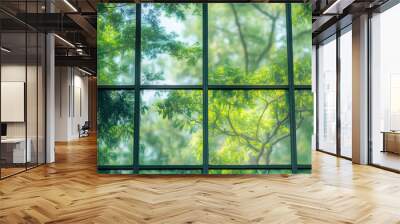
{"points": [[70, 191]]}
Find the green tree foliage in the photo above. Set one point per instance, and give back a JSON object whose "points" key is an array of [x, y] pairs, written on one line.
{"points": [[171, 128], [247, 126], [166, 43], [116, 37], [301, 17], [115, 127], [247, 46]]}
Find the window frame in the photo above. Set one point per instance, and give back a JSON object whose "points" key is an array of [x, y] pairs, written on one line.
{"points": [[291, 88], [337, 38]]}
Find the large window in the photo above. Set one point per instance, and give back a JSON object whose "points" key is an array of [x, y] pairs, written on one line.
{"points": [[346, 75], [385, 89], [211, 88], [327, 96], [334, 84]]}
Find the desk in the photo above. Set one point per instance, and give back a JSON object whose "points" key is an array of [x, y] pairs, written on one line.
{"points": [[15, 148], [391, 141]]}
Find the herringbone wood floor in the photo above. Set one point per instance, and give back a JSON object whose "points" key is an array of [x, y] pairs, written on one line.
{"points": [[70, 191]]}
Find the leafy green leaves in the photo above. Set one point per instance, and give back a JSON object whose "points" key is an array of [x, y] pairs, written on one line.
{"points": [[115, 127], [116, 38]]}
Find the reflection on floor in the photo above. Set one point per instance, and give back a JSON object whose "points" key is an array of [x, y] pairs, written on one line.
{"points": [[10, 171], [386, 159], [71, 191]]}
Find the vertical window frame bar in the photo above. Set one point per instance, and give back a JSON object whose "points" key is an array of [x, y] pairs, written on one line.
{"points": [[338, 91], [136, 127], [292, 101], [205, 89]]}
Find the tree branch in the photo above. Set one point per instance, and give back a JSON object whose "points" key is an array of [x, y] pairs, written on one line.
{"points": [[241, 36], [269, 45], [256, 6], [260, 153], [280, 139], [259, 120]]}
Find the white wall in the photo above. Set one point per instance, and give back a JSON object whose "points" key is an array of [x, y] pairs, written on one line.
{"points": [[71, 94], [33, 126], [12, 73], [17, 73]]}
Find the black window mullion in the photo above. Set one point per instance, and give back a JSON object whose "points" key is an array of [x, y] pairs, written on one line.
{"points": [[205, 89], [292, 108], [26, 87], [317, 97], [171, 87], [338, 122], [137, 90], [116, 87]]}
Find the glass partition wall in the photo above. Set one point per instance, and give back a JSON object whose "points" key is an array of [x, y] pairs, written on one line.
{"points": [[204, 88], [334, 94], [22, 94]]}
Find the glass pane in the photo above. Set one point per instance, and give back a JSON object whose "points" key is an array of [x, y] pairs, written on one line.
{"points": [[116, 43], [248, 127], [302, 26], [327, 97], [171, 128], [304, 126], [346, 94], [247, 44], [14, 151], [115, 127], [171, 43]]}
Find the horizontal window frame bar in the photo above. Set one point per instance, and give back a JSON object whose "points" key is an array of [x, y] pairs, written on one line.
{"points": [[200, 87], [171, 87], [200, 167], [115, 87]]}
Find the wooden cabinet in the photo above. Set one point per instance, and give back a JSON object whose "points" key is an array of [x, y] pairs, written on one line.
{"points": [[391, 142]]}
